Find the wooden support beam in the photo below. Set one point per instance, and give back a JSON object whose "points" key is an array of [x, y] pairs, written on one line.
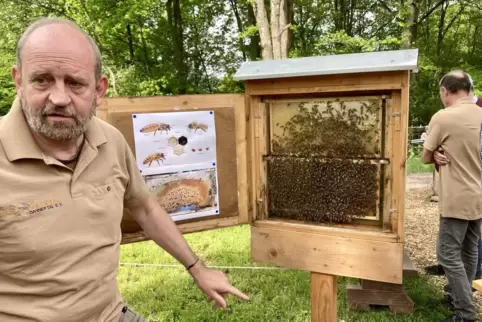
{"points": [[361, 297], [323, 297]]}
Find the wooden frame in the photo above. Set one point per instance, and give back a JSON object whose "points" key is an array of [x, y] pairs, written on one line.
{"points": [[231, 107]]}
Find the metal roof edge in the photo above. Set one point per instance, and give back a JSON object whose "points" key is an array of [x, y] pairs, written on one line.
{"points": [[394, 60]]}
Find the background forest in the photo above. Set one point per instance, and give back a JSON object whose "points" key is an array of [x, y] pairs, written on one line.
{"points": [[173, 47]]}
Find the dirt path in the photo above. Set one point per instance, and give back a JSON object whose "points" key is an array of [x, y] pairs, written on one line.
{"points": [[421, 227], [419, 180]]}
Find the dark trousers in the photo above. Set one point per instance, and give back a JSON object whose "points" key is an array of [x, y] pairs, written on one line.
{"points": [[478, 274], [458, 252]]}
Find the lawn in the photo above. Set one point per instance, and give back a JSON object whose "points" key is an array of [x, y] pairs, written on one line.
{"points": [[168, 293], [414, 161]]}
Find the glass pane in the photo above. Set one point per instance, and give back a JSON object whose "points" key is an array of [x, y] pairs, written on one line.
{"points": [[323, 190], [328, 127]]}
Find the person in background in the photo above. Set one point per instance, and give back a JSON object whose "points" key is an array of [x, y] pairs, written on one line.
{"points": [[66, 176], [457, 130], [437, 270]]}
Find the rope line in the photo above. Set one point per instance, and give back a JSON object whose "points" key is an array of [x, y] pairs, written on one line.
{"points": [[216, 267]]}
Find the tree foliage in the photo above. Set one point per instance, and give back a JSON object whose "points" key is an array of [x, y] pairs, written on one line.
{"points": [[173, 47]]}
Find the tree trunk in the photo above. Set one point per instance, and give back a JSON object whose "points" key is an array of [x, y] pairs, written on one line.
{"points": [[239, 23], [264, 29], [175, 21], [254, 43], [274, 33], [410, 21]]}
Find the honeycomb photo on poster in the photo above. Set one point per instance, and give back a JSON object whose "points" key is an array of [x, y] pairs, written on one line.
{"points": [[187, 194]]}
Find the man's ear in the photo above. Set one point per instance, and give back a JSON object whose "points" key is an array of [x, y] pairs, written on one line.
{"points": [[101, 89], [17, 79]]}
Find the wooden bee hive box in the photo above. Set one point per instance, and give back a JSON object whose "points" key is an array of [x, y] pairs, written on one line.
{"points": [[328, 153]]}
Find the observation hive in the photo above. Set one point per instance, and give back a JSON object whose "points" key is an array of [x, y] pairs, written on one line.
{"points": [[328, 150]]}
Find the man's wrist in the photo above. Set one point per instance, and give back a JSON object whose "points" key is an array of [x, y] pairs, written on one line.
{"points": [[196, 261], [195, 268]]}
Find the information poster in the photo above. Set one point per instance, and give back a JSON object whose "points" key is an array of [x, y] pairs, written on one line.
{"points": [[176, 154]]}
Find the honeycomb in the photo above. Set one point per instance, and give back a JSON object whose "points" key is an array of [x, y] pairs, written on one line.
{"points": [[320, 167]]}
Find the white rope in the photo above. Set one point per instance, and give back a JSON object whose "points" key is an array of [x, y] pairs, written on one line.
{"points": [[216, 267]]}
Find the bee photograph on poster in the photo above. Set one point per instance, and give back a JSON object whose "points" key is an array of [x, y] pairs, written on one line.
{"points": [[186, 194], [174, 141]]}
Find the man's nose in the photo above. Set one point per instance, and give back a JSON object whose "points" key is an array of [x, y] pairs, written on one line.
{"points": [[59, 96]]}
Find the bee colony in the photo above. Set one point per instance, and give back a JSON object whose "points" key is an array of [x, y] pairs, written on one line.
{"points": [[325, 159]]}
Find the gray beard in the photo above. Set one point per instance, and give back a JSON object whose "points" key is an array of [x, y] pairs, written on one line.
{"points": [[57, 131]]}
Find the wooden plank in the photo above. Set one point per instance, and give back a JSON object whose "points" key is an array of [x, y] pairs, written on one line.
{"points": [[396, 299], [477, 285], [254, 154], [387, 193], [326, 84], [323, 290], [348, 231], [188, 228], [374, 285], [328, 254], [397, 161], [263, 150], [242, 160], [404, 118]]}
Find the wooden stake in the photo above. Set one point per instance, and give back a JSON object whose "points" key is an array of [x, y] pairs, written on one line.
{"points": [[323, 297]]}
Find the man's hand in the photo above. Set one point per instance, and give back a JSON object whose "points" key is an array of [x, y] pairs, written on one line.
{"points": [[439, 157], [160, 227], [214, 284]]}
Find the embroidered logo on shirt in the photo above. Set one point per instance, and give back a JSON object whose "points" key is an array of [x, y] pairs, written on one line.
{"points": [[31, 208]]}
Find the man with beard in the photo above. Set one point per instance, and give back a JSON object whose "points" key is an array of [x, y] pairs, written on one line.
{"points": [[457, 130], [65, 178]]}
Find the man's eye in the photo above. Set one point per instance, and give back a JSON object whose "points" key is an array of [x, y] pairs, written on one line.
{"points": [[41, 80], [75, 84]]}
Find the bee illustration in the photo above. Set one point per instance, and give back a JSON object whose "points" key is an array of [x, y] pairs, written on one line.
{"points": [[154, 127], [197, 126], [154, 157]]}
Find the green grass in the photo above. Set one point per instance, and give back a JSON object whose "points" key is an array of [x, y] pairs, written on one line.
{"points": [[414, 161], [168, 294], [415, 165]]}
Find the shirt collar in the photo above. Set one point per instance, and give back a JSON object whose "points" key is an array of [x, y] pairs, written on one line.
{"points": [[18, 142], [465, 100]]}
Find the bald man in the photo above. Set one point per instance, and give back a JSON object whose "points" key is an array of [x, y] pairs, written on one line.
{"points": [[66, 177], [457, 130]]}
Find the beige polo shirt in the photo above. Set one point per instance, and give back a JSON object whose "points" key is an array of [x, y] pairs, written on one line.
{"points": [[458, 130], [60, 229]]}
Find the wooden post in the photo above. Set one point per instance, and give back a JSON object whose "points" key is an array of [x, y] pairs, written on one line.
{"points": [[323, 297]]}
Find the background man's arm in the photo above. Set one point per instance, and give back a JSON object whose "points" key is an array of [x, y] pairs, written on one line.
{"points": [[427, 156], [433, 140]]}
